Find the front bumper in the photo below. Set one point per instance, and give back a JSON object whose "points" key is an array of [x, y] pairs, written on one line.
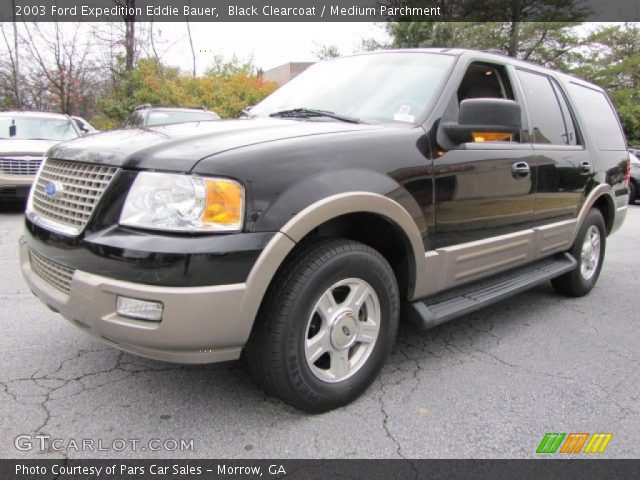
{"points": [[199, 324], [15, 186]]}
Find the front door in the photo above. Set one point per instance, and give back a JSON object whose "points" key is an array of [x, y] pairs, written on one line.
{"points": [[485, 188]]}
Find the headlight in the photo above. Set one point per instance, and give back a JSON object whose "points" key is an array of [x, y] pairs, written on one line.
{"points": [[183, 203]]}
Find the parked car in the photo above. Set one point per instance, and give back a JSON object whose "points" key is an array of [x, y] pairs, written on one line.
{"points": [[24, 139], [634, 178], [85, 127], [441, 181], [149, 116]]}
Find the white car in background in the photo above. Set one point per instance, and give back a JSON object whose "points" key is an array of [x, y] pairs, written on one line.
{"points": [[24, 139]]}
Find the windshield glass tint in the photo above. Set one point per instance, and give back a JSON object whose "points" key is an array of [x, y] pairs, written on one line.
{"points": [[37, 128], [382, 87], [163, 117]]}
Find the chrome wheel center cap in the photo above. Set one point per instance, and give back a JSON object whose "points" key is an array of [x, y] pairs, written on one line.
{"points": [[344, 330]]}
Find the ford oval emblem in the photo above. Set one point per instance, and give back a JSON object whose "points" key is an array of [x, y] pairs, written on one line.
{"points": [[52, 189]]}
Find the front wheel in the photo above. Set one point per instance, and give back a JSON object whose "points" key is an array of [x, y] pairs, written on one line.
{"points": [[632, 193], [588, 250], [328, 322]]}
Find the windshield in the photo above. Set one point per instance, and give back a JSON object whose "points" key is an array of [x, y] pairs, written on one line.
{"points": [[382, 87], [163, 117], [36, 128]]}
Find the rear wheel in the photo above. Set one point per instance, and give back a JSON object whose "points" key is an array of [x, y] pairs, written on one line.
{"points": [[588, 250], [632, 193], [327, 325]]}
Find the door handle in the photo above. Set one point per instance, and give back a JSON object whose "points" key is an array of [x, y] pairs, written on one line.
{"points": [[520, 169], [585, 167]]}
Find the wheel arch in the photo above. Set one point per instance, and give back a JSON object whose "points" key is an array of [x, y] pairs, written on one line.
{"points": [[329, 212], [361, 209], [602, 199]]}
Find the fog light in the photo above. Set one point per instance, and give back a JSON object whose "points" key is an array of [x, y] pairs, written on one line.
{"points": [[139, 309]]}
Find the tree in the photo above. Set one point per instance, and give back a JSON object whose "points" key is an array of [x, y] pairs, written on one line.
{"points": [[326, 52], [613, 62], [226, 88], [193, 51], [12, 80], [220, 67], [129, 19], [555, 44], [10, 77], [477, 35], [371, 44], [60, 66], [515, 14]]}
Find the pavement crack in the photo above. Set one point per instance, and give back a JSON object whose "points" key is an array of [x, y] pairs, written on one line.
{"points": [[40, 389], [387, 429]]}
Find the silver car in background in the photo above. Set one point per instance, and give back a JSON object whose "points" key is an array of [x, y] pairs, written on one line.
{"points": [[24, 139]]}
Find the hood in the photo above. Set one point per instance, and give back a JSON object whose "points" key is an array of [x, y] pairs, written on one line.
{"points": [[30, 148], [179, 147]]}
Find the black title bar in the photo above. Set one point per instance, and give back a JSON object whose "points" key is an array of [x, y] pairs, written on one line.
{"points": [[319, 11]]}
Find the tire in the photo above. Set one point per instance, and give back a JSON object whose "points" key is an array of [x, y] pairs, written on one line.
{"points": [[632, 193], [580, 281], [296, 350]]}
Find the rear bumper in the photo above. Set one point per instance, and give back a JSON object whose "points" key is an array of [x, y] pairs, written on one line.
{"points": [[199, 324]]}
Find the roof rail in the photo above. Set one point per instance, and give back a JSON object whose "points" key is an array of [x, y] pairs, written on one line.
{"points": [[495, 51]]}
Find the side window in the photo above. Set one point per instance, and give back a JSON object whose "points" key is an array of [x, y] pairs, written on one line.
{"points": [[571, 137], [546, 115], [483, 80], [598, 116]]}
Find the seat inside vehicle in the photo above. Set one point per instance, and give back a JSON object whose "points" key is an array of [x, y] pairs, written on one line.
{"points": [[484, 81]]}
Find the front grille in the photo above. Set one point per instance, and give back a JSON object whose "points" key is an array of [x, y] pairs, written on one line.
{"points": [[79, 188], [20, 165], [51, 272]]}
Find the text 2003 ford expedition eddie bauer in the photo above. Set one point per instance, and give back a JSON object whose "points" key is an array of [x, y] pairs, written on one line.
{"points": [[438, 181]]}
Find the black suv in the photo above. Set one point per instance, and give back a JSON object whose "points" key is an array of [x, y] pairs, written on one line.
{"points": [[149, 116], [428, 182]]}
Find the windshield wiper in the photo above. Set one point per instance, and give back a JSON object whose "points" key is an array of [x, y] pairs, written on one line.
{"points": [[311, 112]]}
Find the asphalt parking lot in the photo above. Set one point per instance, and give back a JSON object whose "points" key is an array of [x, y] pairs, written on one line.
{"points": [[488, 385]]}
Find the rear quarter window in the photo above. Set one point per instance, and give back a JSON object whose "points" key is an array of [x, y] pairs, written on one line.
{"points": [[599, 117]]}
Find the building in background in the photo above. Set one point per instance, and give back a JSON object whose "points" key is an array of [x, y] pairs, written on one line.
{"points": [[286, 72]]}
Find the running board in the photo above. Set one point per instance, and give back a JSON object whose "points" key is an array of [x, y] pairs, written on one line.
{"points": [[439, 308]]}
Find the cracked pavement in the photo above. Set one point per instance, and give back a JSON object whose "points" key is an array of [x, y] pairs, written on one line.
{"points": [[487, 385]]}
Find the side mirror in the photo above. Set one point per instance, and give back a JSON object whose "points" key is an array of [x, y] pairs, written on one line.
{"points": [[12, 130], [485, 119]]}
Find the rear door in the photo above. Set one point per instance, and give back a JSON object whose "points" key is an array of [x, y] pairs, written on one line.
{"points": [[562, 166]]}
